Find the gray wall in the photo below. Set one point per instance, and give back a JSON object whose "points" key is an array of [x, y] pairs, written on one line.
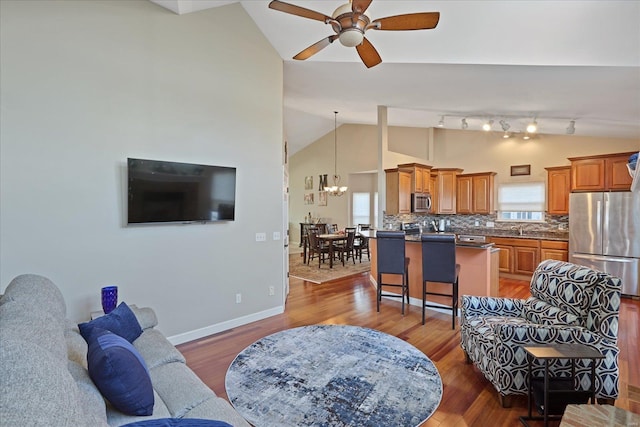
{"points": [[86, 84]]}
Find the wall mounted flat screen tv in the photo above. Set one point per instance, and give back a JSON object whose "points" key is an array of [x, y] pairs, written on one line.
{"points": [[161, 191]]}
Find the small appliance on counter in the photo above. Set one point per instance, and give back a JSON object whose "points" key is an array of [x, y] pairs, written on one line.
{"points": [[410, 227]]}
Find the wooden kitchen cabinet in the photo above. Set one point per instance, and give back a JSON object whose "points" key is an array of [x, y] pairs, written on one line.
{"points": [[558, 189], [446, 188], [421, 174], [605, 172], [475, 193], [518, 256], [554, 249], [398, 191]]}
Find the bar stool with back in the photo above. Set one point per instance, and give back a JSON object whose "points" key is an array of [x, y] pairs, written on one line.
{"points": [[439, 265], [391, 260]]}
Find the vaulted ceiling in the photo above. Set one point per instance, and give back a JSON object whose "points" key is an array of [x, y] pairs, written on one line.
{"points": [[553, 61]]}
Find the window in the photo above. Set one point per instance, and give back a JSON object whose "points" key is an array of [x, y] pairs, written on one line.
{"points": [[362, 208], [521, 201]]}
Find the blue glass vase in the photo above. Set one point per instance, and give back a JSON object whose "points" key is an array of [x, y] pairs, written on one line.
{"points": [[109, 298]]}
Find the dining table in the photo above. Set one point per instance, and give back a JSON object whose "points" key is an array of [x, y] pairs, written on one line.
{"points": [[331, 239]]}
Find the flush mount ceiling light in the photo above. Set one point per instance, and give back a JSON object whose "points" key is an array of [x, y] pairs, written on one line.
{"points": [[441, 122], [335, 189], [571, 129], [464, 124], [487, 126], [532, 127]]}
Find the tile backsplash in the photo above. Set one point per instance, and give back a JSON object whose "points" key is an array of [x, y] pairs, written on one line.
{"points": [[468, 222]]}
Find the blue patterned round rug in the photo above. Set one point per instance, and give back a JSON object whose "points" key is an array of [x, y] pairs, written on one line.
{"points": [[333, 375]]}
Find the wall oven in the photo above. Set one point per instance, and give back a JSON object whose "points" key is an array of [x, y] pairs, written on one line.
{"points": [[420, 202]]}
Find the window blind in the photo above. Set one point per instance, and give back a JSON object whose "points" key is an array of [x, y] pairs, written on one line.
{"points": [[521, 196]]}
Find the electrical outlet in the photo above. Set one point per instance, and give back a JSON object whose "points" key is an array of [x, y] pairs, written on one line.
{"points": [[490, 224], [477, 223], [272, 290], [276, 235], [238, 298], [261, 237]]}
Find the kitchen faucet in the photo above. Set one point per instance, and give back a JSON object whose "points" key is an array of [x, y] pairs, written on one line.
{"points": [[520, 229]]}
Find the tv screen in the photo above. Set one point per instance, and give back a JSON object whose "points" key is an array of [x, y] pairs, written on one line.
{"points": [[179, 192]]}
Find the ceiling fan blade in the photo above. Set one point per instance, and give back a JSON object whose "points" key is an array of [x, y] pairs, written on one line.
{"points": [[298, 11], [368, 53], [315, 48], [409, 21], [360, 6]]}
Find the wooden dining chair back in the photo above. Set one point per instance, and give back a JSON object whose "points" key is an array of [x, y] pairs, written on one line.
{"points": [[316, 248], [361, 243], [392, 261], [347, 249]]}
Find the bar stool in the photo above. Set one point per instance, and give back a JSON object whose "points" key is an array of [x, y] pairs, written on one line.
{"points": [[391, 260], [439, 265]]}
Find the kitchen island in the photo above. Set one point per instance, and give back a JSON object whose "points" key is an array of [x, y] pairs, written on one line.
{"points": [[478, 269]]}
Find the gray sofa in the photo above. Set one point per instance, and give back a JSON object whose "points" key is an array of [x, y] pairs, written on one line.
{"points": [[43, 367]]}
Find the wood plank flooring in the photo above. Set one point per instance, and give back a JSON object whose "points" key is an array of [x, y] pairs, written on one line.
{"points": [[468, 399]]}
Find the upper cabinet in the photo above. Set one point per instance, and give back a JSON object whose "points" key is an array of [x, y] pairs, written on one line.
{"points": [[420, 176], [475, 193], [398, 191], [444, 200], [606, 172], [558, 189]]}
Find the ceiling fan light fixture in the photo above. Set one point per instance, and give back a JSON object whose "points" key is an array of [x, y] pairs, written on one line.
{"points": [[351, 37]]}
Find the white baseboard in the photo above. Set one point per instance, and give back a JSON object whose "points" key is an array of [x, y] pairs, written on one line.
{"points": [[223, 326]]}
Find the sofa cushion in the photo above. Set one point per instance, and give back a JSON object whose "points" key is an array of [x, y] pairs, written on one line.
{"points": [[90, 398], [179, 422], [37, 389], [38, 292], [120, 321], [156, 350], [564, 285], [541, 312], [120, 373]]}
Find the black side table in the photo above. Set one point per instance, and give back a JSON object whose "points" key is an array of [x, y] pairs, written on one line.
{"points": [[563, 388]]}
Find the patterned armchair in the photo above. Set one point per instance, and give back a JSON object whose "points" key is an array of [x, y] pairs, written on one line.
{"points": [[568, 304]]}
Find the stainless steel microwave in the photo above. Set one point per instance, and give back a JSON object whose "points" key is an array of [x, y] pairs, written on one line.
{"points": [[420, 202]]}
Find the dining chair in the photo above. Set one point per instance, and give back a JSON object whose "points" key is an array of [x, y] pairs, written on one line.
{"points": [[392, 261], [439, 265], [332, 228], [316, 247], [347, 248], [361, 243]]}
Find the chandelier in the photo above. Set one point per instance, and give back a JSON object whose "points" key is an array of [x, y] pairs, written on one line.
{"points": [[335, 189]]}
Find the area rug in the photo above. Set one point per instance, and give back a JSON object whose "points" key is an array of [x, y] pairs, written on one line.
{"points": [[333, 375], [311, 272]]}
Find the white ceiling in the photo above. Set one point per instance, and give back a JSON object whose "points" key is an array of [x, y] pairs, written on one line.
{"points": [[554, 60]]}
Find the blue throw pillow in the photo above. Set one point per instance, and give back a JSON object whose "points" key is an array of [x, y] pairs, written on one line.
{"points": [[178, 422], [119, 372], [120, 321]]}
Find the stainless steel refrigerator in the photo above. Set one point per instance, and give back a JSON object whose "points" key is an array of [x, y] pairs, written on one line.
{"points": [[604, 234]]}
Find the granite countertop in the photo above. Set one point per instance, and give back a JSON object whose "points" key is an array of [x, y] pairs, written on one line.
{"points": [[513, 234]]}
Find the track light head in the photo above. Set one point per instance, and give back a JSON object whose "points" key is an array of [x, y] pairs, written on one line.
{"points": [[487, 126], [464, 123], [532, 127], [571, 129], [505, 126], [441, 122]]}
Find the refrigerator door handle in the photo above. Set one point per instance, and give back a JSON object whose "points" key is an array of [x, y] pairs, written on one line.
{"points": [[603, 258], [598, 214]]}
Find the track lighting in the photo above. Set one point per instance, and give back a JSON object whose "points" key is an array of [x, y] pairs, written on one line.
{"points": [[532, 127], [441, 122], [571, 129], [487, 125], [464, 124], [505, 126]]}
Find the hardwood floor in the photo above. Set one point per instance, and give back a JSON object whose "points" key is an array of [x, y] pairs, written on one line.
{"points": [[468, 399]]}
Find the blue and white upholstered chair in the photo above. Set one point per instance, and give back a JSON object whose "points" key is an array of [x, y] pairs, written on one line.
{"points": [[569, 304]]}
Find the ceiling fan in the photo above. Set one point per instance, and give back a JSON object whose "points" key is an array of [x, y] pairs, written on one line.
{"points": [[350, 22]]}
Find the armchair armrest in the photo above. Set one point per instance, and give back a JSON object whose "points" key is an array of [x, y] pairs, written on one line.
{"points": [[491, 306]]}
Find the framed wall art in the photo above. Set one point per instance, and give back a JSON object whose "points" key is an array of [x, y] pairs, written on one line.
{"points": [[308, 199], [520, 170], [308, 182], [322, 198]]}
